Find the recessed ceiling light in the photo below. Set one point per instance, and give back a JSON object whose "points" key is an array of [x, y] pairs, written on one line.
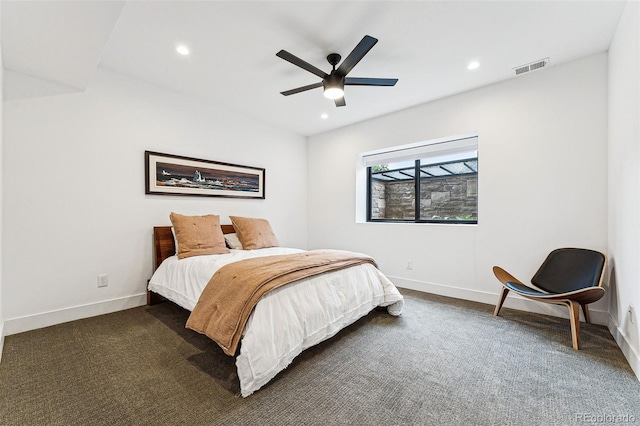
{"points": [[182, 49], [473, 65], [324, 115]]}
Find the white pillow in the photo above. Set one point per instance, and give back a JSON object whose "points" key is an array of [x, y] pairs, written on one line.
{"points": [[175, 240], [233, 242]]}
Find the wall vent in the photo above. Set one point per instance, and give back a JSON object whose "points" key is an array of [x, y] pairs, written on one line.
{"points": [[541, 63]]}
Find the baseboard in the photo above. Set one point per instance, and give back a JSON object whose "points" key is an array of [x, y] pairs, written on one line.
{"points": [[513, 301], [46, 319], [1, 339], [630, 353]]}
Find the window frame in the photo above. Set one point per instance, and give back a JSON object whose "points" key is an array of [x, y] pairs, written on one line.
{"points": [[417, 189]]}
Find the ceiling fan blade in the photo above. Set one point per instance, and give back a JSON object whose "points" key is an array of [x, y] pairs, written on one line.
{"points": [[356, 55], [357, 81], [340, 102], [302, 64], [301, 89]]}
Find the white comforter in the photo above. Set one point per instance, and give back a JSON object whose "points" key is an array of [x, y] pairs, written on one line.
{"points": [[287, 320]]}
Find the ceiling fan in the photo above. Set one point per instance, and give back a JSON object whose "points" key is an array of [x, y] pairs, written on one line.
{"points": [[335, 81]]}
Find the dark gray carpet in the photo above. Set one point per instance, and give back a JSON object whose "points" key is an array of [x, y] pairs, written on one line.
{"points": [[443, 362]]}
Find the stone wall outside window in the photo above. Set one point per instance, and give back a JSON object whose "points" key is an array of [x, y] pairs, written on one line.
{"points": [[442, 198]]}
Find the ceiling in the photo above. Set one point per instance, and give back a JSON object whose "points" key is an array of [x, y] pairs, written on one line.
{"points": [[55, 47]]}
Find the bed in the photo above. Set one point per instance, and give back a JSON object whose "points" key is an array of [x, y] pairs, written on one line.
{"points": [[286, 320]]}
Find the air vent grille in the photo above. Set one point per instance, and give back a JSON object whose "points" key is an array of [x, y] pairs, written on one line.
{"points": [[531, 67]]}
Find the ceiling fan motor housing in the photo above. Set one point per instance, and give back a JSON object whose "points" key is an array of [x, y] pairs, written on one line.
{"points": [[333, 80]]}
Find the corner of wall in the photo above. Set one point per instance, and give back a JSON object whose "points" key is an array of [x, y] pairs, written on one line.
{"points": [[1, 192]]}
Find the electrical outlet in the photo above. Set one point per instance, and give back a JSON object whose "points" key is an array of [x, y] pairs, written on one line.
{"points": [[632, 314], [103, 280], [409, 264]]}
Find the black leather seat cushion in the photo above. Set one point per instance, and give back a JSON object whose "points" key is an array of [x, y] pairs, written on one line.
{"points": [[569, 269]]}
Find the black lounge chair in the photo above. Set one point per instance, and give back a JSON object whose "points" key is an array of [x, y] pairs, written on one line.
{"points": [[569, 276]]}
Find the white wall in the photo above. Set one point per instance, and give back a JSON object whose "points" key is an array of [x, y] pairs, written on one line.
{"points": [[1, 195], [74, 202], [542, 183], [624, 182]]}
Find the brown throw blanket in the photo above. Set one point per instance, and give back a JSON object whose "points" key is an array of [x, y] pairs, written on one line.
{"points": [[230, 296]]}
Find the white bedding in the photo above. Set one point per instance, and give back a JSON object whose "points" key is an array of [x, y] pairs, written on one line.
{"points": [[287, 320]]}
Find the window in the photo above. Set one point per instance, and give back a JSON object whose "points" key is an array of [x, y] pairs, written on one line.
{"points": [[443, 173]]}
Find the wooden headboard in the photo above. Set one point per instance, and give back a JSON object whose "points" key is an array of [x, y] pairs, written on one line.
{"points": [[164, 246]]}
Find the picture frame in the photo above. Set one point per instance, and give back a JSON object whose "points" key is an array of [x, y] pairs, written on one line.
{"points": [[167, 174]]}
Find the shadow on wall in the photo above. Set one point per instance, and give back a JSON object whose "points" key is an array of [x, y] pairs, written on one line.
{"points": [[625, 332], [614, 303], [620, 310]]}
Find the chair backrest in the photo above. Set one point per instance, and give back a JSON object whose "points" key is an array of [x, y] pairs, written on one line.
{"points": [[570, 269]]}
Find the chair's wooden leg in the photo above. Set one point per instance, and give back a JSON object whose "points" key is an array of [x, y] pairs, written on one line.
{"points": [[574, 314], [503, 296], [585, 310]]}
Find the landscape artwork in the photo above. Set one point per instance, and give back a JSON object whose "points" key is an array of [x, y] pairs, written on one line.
{"points": [[176, 175]]}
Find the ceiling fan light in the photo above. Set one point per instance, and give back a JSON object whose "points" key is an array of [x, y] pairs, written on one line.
{"points": [[333, 92]]}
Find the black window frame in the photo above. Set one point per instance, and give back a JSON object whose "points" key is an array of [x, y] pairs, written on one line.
{"points": [[417, 187]]}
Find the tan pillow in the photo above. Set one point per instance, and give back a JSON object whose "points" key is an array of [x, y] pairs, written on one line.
{"points": [[198, 235], [254, 233]]}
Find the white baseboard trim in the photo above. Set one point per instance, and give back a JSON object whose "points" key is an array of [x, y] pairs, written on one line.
{"points": [[513, 301], [46, 319], [1, 338], [630, 353]]}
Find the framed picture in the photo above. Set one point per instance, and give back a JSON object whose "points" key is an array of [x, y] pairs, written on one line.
{"points": [[167, 174]]}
